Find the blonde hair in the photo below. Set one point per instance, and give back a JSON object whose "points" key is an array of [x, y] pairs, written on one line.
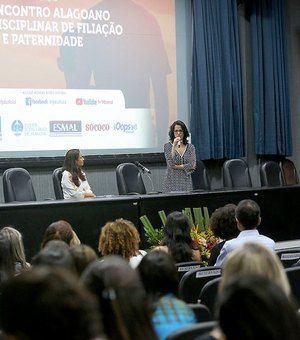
{"points": [[120, 238], [254, 258]]}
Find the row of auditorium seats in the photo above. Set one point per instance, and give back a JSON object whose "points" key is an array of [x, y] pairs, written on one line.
{"points": [[236, 174]]}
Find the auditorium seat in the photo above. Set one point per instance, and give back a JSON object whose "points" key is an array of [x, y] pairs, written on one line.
{"points": [[236, 174], [56, 178], [191, 332], [293, 275], [288, 257], [209, 293], [201, 311], [200, 177], [289, 172], [129, 179], [271, 174], [17, 186], [183, 267]]}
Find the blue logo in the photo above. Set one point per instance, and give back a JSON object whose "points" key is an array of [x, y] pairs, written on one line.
{"points": [[17, 127], [125, 128]]}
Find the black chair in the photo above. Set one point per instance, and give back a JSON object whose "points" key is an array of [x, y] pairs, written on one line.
{"points": [[129, 179], [192, 282], [236, 174], [56, 178], [293, 275], [209, 293], [200, 177], [289, 172], [288, 257], [190, 332], [183, 267], [17, 186], [271, 174], [201, 311]]}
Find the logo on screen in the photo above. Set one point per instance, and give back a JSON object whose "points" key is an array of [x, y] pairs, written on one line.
{"points": [[78, 101], [30, 101], [17, 127], [65, 128], [126, 128], [82, 101]]}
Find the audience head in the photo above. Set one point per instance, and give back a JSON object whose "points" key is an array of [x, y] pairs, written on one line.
{"points": [[184, 129], [254, 307], [6, 259], [247, 214], [17, 247], [47, 303], [254, 258], [60, 230], [73, 163], [82, 255], [159, 274], [223, 222], [56, 253], [122, 298], [177, 237], [119, 237]]}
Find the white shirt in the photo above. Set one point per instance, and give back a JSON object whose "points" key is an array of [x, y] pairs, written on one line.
{"points": [[135, 260], [70, 190]]}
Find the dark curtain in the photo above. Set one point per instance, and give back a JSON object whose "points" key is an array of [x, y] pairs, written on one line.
{"points": [[271, 107], [216, 96]]}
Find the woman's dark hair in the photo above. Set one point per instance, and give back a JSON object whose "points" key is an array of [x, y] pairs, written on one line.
{"points": [[159, 274], [70, 165], [184, 129], [177, 237], [254, 307], [122, 298], [59, 230], [223, 222]]}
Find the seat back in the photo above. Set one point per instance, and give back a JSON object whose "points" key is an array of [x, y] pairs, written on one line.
{"points": [[200, 177], [183, 267], [293, 275], [56, 178], [288, 257], [236, 174], [191, 332], [209, 293], [17, 186], [270, 174], [192, 282], [289, 172], [201, 311], [129, 179]]}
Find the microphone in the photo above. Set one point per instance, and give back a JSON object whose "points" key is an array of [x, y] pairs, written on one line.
{"points": [[179, 143], [142, 167]]}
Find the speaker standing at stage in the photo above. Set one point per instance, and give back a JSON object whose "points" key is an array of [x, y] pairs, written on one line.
{"points": [[181, 159]]}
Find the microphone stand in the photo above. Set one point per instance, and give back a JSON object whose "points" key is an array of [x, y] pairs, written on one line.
{"points": [[146, 173]]}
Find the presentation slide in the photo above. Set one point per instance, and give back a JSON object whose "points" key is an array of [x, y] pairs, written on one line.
{"points": [[95, 75]]}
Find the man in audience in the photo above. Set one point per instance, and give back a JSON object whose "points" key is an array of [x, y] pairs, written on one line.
{"points": [[248, 218]]}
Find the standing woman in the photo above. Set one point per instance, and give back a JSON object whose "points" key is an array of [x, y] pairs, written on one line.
{"points": [[74, 182], [181, 159]]}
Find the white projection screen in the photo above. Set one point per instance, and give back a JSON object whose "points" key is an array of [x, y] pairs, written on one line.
{"points": [[95, 75]]}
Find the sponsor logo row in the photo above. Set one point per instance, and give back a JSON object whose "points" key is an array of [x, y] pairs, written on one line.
{"points": [[59, 128], [30, 101]]}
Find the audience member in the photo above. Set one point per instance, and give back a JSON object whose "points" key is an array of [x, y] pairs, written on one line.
{"points": [[223, 224], [60, 230], [6, 259], [122, 299], [159, 276], [121, 237], [248, 218], [74, 182], [82, 255], [56, 253], [17, 248], [177, 239], [47, 303]]}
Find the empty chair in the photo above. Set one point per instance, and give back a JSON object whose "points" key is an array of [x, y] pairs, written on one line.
{"points": [[201, 311], [183, 267], [17, 186], [200, 177], [288, 257], [56, 178], [190, 332], [129, 179], [271, 174], [236, 174], [293, 275], [289, 172], [192, 282], [209, 293]]}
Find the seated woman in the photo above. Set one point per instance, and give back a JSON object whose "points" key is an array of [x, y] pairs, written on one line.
{"points": [[121, 237], [177, 240], [159, 276], [74, 182]]}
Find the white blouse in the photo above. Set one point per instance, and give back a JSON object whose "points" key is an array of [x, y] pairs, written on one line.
{"points": [[70, 190]]}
